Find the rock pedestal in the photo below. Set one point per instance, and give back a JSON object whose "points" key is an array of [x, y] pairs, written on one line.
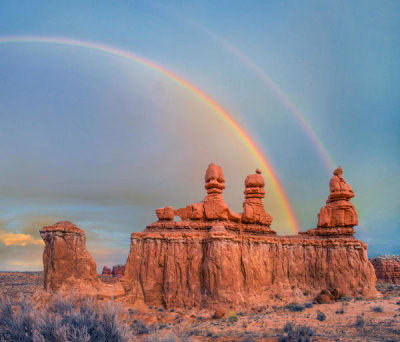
{"points": [[338, 216], [253, 208]]}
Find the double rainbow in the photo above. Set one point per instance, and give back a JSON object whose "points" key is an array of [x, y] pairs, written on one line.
{"points": [[265, 164]]}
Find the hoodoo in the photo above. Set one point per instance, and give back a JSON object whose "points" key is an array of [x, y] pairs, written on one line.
{"points": [[214, 256]]}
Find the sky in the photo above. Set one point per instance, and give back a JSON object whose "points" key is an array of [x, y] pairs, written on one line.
{"points": [[101, 140]]}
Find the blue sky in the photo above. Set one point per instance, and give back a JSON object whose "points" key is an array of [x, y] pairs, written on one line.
{"points": [[102, 141]]}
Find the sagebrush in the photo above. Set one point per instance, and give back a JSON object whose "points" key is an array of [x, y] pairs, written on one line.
{"points": [[62, 320]]}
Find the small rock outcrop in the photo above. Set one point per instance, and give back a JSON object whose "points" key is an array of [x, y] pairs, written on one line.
{"points": [[68, 265], [65, 258], [118, 270], [387, 268], [106, 271]]}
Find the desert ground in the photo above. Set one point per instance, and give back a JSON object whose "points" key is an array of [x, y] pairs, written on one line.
{"points": [[349, 319]]}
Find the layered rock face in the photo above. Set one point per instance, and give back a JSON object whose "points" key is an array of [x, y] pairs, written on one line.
{"points": [[118, 271], [106, 271], [67, 263], [65, 258], [215, 256], [223, 257], [387, 268]]}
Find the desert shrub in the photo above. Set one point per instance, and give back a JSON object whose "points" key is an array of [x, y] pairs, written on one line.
{"points": [[340, 311], [308, 305], [346, 299], [359, 322], [398, 302], [377, 309], [321, 316], [294, 307], [359, 298], [299, 333], [233, 317], [139, 327], [62, 320]]}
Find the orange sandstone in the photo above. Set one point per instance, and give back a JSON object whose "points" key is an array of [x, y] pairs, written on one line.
{"points": [[215, 257]]}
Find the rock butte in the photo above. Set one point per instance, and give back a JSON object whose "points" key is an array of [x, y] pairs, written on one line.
{"points": [[387, 268], [215, 256]]}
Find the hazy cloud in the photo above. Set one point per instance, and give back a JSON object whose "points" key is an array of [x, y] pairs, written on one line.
{"points": [[16, 239]]}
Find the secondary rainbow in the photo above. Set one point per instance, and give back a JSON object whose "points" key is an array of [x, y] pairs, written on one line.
{"points": [[265, 164], [266, 79]]}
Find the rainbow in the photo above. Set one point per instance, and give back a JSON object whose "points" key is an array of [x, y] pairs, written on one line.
{"points": [[265, 164], [263, 76]]}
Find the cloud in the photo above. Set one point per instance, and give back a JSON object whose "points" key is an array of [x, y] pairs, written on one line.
{"points": [[17, 239]]}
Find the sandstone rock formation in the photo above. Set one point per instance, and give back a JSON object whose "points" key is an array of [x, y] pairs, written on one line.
{"points": [[216, 257], [106, 271], [387, 268], [67, 263], [338, 216], [253, 208], [118, 271], [65, 258]]}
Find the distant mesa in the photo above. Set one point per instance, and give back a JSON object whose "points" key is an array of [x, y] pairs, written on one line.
{"points": [[214, 256], [387, 268], [116, 271]]}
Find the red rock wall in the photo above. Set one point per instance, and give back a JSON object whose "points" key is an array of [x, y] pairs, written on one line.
{"points": [[106, 271], [202, 269], [118, 271], [387, 269]]}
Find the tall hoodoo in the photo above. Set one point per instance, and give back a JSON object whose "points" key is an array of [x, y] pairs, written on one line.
{"points": [[253, 208], [215, 207], [338, 212], [338, 216]]}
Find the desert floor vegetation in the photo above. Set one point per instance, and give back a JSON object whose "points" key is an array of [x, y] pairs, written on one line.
{"points": [[352, 319]]}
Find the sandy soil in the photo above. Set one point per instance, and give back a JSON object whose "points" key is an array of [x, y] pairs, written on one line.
{"points": [[351, 319]]}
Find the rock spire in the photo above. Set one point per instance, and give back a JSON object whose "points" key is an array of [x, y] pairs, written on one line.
{"points": [[253, 208]]}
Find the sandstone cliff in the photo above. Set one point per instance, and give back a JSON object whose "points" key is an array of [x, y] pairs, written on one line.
{"points": [[216, 256], [387, 268]]}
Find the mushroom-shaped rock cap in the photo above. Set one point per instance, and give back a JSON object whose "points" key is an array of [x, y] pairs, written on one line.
{"points": [[255, 180], [214, 172], [63, 226]]}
